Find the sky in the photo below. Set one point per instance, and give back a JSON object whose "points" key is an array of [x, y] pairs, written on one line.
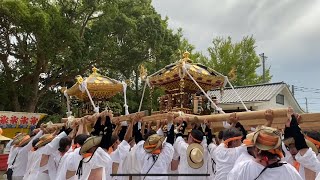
{"points": [[287, 31]]}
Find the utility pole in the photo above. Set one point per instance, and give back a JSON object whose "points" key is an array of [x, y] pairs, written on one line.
{"points": [[264, 58], [292, 89], [307, 105]]}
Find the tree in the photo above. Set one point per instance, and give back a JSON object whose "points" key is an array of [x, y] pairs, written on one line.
{"points": [[184, 45], [45, 44], [239, 61]]}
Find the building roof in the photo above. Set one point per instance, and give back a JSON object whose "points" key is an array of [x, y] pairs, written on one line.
{"points": [[252, 93]]}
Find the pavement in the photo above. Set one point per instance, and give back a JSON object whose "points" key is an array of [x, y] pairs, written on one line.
{"points": [[1, 175]]}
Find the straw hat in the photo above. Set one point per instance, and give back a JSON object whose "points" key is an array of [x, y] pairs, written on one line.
{"points": [[26, 139], [290, 140], [195, 155], [90, 143], [249, 140], [153, 142], [44, 139], [18, 138], [267, 138]]}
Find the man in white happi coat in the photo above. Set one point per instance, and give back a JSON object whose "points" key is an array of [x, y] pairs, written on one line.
{"points": [[13, 153], [193, 155], [44, 166], [71, 163], [121, 150], [24, 146], [94, 160], [155, 156], [267, 163]]}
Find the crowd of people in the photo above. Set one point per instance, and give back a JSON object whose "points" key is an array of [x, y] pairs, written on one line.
{"points": [[182, 150]]}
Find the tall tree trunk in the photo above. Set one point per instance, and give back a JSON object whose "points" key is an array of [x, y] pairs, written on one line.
{"points": [[15, 102]]}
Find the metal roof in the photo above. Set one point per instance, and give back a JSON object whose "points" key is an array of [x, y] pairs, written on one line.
{"points": [[252, 93]]}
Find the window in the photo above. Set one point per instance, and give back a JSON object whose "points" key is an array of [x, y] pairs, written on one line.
{"points": [[280, 99]]}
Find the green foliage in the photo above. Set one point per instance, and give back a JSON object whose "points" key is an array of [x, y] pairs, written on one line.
{"points": [[45, 44], [240, 56], [184, 46]]}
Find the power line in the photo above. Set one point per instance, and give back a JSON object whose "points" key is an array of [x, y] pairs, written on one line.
{"points": [[307, 88], [308, 91], [309, 103], [308, 98]]}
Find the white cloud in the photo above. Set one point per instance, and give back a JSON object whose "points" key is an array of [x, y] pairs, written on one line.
{"points": [[287, 31]]}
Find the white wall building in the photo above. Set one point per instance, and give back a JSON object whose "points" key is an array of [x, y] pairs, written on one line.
{"points": [[257, 97]]}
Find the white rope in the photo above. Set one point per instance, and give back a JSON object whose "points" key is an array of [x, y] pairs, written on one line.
{"points": [[245, 107], [144, 89], [142, 97], [215, 106], [83, 87], [225, 123], [69, 113], [69, 121], [126, 107]]}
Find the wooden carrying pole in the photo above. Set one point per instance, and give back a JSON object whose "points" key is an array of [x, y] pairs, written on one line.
{"points": [[121, 118], [247, 119]]}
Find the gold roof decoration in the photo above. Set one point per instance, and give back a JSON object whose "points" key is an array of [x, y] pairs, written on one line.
{"points": [[169, 77], [100, 87]]}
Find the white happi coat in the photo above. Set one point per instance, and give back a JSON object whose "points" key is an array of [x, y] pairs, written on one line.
{"points": [[118, 156], [20, 165], [130, 164], [249, 170], [160, 166], [100, 159], [308, 160], [180, 147], [13, 153], [37, 172], [225, 159], [62, 165]]}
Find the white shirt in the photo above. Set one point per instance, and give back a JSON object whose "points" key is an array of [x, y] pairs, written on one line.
{"points": [[48, 149], [100, 159], [151, 166], [130, 164], [245, 156], [175, 157], [20, 165], [72, 163], [308, 160], [180, 147], [225, 158], [249, 170], [12, 155], [118, 156], [62, 165], [31, 160], [211, 166]]}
